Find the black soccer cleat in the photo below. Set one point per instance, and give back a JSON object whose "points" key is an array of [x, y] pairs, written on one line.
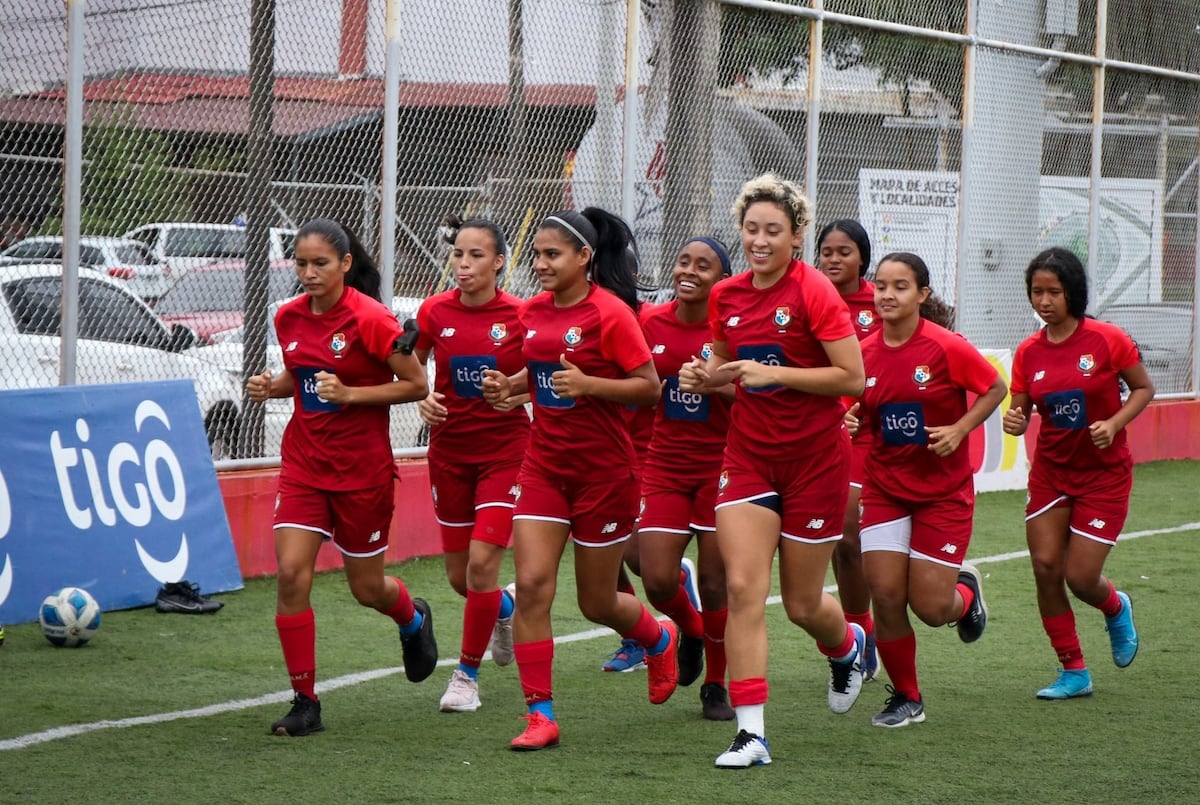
{"points": [[420, 649], [972, 624], [691, 659], [184, 596], [303, 719]]}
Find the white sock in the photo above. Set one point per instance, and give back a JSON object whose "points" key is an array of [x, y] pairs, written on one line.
{"points": [[750, 719]]}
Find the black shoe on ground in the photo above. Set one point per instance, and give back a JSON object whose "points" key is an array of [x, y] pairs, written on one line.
{"points": [[184, 596], [715, 702], [420, 649], [899, 711], [691, 659], [303, 719], [972, 624]]}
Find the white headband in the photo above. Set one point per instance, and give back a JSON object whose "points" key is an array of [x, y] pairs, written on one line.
{"points": [[572, 230]]}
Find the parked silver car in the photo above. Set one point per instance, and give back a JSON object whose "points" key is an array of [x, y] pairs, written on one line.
{"points": [[121, 258]]}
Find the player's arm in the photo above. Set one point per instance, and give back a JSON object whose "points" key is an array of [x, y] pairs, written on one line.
{"points": [[1016, 418], [1141, 392], [945, 439], [639, 387], [266, 386], [845, 377], [708, 376], [409, 384]]}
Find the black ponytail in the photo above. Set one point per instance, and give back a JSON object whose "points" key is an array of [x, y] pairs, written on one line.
{"points": [[363, 275]]}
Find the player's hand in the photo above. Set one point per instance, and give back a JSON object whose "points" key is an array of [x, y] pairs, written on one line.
{"points": [[850, 419], [509, 403], [1103, 433], [753, 374], [693, 376], [944, 439], [1015, 422], [569, 382], [330, 389], [496, 387], [258, 387], [431, 409]]}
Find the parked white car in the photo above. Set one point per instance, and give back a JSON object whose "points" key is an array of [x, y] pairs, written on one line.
{"points": [[121, 258], [406, 428], [185, 245], [121, 340]]}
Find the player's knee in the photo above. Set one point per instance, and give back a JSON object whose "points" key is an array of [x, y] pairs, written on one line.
{"points": [[598, 608]]}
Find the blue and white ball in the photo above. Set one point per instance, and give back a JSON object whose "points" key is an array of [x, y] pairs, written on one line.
{"points": [[70, 617]]}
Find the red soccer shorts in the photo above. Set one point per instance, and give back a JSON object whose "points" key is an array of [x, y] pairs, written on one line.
{"points": [[1098, 499], [678, 503], [936, 530], [460, 490], [357, 520], [599, 513]]}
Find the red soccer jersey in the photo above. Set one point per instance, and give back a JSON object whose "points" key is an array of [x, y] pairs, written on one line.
{"points": [[689, 428], [781, 325], [862, 309], [326, 445], [465, 340], [585, 438], [921, 383], [1073, 384]]}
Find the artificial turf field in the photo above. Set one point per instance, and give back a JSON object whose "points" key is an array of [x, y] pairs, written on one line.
{"points": [[173, 707]]}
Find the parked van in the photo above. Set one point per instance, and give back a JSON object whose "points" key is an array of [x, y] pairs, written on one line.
{"points": [[183, 246]]}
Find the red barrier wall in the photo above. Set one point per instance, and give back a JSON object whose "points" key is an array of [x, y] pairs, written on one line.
{"points": [[250, 502], [1165, 430]]}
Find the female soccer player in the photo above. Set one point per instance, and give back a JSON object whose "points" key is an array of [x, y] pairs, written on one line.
{"points": [[780, 331], [475, 450], [585, 360], [918, 496], [679, 484], [1082, 472], [844, 251], [343, 367]]}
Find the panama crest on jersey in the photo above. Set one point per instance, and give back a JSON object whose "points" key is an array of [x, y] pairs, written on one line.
{"points": [[498, 331], [706, 351], [865, 318], [337, 343], [783, 316], [1087, 363], [573, 336], [922, 375]]}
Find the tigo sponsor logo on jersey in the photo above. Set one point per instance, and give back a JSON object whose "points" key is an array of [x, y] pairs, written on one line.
{"points": [[865, 318], [922, 375], [498, 332], [338, 343], [573, 337], [783, 316], [1086, 363], [447, 332]]}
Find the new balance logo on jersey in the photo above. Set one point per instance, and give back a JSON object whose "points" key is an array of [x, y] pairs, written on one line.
{"points": [[1039, 375], [374, 537], [515, 491], [447, 332], [659, 349], [530, 333], [733, 321], [1097, 523], [609, 528], [950, 548], [870, 382], [815, 523], [291, 347]]}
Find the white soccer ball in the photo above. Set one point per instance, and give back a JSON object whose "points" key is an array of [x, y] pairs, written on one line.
{"points": [[70, 617]]}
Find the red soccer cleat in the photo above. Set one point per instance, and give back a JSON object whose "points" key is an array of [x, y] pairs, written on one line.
{"points": [[540, 733], [663, 670]]}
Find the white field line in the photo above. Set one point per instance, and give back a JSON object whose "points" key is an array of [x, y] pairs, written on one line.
{"points": [[71, 730]]}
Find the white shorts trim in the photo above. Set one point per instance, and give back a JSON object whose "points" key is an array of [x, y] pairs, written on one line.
{"points": [[541, 518], [375, 552], [750, 499], [809, 540], [1092, 537], [893, 535], [604, 544], [496, 505], [703, 529], [642, 528], [855, 486], [468, 524], [936, 560], [1046, 508], [304, 527]]}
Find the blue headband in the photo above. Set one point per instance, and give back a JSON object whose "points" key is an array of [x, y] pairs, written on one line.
{"points": [[717, 248]]}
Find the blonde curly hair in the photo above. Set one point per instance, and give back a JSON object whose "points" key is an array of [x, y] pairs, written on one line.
{"points": [[769, 187]]}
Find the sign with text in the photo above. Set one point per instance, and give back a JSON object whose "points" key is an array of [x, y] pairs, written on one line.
{"points": [[110, 488]]}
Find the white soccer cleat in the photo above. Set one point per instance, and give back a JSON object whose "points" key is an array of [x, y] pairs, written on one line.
{"points": [[501, 644], [846, 678], [462, 694]]}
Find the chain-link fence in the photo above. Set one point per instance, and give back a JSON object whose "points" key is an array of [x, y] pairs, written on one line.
{"points": [[972, 133]]}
